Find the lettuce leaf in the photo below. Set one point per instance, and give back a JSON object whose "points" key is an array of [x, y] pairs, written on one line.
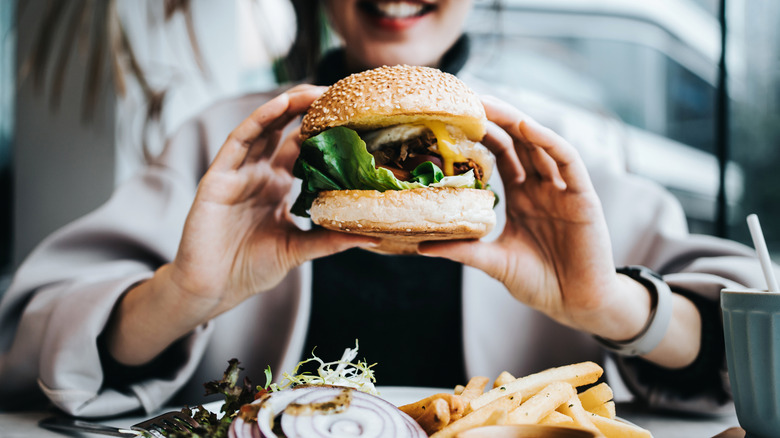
{"points": [[337, 159], [427, 173], [236, 394]]}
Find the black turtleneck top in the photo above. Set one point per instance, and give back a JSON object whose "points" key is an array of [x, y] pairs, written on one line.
{"points": [[404, 310]]}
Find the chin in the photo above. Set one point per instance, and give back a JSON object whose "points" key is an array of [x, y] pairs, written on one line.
{"points": [[395, 53]]}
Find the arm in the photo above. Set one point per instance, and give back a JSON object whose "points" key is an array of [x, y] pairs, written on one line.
{"points": [[63, 294], [91, 281]]}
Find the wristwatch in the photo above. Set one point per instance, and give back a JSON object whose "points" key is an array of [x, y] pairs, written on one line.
{"points": [[660, 314]]}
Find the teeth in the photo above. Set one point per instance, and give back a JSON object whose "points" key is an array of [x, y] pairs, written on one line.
{"points": [[399, 9]]}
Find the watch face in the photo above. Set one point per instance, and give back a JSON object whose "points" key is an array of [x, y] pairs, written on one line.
{"points": [[640, 272]]}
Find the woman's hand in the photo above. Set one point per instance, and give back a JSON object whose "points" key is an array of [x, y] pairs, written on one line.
{"points": [[554, 253], [238, 239]]}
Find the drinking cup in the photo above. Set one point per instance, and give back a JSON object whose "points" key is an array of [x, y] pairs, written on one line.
{"points": [[751, 326]]}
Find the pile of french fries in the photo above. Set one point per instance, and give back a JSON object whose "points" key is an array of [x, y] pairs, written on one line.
{"points": [[549, 397]]}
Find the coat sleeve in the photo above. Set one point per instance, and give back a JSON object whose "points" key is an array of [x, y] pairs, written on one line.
{"points": [[649, 228], [63, 294]]}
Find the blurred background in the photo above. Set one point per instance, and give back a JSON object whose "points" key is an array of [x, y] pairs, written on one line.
{"points": [[89, 89]]}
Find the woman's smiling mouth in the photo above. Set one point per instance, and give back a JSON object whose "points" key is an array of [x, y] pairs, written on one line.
{"points": [[395, 15]]}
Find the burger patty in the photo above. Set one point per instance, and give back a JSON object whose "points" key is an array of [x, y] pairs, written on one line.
{"points": [[464, 166], [404, 156]]}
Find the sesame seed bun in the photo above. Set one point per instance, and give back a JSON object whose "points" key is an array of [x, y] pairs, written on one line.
{"points": [[395, 95], [404, 218]]}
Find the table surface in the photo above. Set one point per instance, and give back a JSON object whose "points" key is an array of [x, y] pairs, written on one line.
{"points": [[662, 425]]}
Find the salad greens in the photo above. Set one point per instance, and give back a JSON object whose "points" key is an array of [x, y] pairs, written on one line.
{"points": [[343, 372], [337, 159], [211, 424]]}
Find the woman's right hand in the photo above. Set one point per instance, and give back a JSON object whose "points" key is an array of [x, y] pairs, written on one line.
{"points": [[238, 239]]}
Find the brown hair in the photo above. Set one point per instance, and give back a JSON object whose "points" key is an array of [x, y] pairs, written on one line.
{"points": [[310, 39]]}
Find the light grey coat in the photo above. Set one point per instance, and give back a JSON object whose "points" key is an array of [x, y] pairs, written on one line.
{"points": [[64, 293]]}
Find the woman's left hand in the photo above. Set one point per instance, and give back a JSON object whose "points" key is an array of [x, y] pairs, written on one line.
{"points": [[554, 253]]}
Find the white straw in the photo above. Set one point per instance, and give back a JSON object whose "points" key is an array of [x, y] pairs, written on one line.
{"points": [[763, 252]]}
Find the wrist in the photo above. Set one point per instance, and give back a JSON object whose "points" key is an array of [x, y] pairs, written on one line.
{"points": [[151, 316], [194, 305], [670, 325], [623, 311], [656, 326], [682, 344]]}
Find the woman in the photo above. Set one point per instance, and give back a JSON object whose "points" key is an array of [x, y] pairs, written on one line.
{"points": [[197, 260]]}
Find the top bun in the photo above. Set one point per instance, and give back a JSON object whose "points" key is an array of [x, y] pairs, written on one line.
{"points": [[388, 96]]}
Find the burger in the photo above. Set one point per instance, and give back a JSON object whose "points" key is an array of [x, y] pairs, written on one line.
{"points": [[394, 153]]}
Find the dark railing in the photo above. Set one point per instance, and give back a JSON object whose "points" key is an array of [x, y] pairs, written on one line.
{"points": [[722, 130]]}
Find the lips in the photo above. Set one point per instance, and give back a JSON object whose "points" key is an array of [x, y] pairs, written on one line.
{"points": [[395, 15]]}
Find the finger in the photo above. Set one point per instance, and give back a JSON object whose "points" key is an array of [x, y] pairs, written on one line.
{"points": [[545, 166], [501, 145], [567, 160], [308, 245], [486, 256], [274, 114], [238, 144], [511, 119], [508, 118], [257, 153], [306, 87], [299, 102], [288, 151], [504, 115]]}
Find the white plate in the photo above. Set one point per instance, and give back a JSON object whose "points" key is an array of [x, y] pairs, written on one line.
{"points": [[402, 395], [397, 395]]}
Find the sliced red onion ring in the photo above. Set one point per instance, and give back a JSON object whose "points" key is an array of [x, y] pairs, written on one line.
{"points": [[326, 411]]}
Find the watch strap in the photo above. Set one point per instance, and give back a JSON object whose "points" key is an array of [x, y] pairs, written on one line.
{"points": [[658, 321]]}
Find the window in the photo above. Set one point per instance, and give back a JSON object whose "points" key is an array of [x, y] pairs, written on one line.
{"points": [[654, 65], [755, 114], [7, 87]]}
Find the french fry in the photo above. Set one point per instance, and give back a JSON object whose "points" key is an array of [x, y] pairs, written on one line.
{"points": [[556, 418], [579, 374], [475, 387], [542, 403], [503, 378], [548, 397], [595, 396], [582, 418], [497, 418], [435, 416], [454, 403], [480, 416], [606, 409], [618, 429]]}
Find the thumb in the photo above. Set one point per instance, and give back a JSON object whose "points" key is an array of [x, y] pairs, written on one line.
{"points": [[312, 244], [486, 256]]}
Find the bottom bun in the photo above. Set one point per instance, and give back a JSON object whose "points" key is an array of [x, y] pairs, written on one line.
{"points": [[403, 218]]}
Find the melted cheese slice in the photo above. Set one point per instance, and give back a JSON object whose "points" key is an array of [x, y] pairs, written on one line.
{"points": [[445, 143]]}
